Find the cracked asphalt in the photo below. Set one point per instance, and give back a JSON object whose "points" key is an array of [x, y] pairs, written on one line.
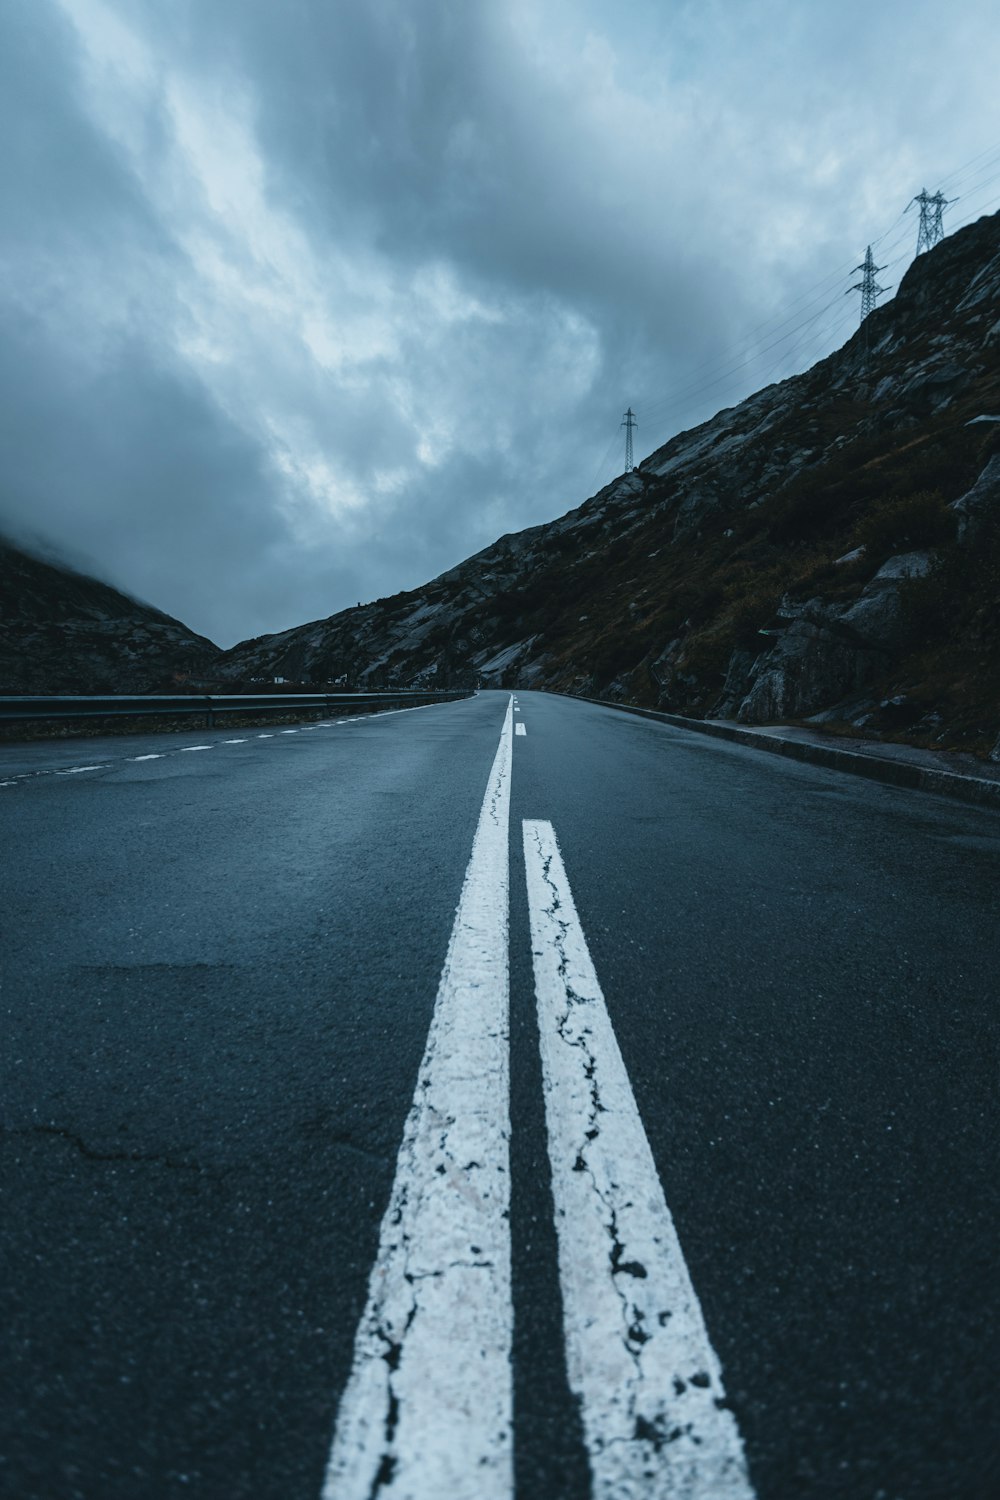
{"points": [[217, 973]]}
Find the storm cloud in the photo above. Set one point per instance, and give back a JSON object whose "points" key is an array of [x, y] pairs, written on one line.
{"points": [[303, 303]]}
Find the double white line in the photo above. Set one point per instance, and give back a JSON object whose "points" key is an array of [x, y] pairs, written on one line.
{"points": [[427, 1412]]}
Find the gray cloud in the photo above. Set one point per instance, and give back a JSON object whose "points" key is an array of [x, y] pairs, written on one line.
{"points": [[304, 303]]}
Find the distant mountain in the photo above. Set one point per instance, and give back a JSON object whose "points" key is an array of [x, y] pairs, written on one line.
{"points": [[830, 547], [62, 632]]}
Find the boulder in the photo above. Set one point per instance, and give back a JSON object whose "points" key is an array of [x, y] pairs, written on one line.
{"points": [[877, 617], [980, 504], [827, 652], [814, 664]]}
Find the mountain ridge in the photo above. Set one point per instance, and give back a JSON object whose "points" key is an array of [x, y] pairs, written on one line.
{"points": [[795, 556], [62, 631]]}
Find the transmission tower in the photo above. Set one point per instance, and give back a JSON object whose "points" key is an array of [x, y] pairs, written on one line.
{"points": [[932, 207], [628, 421], [868, 286]]}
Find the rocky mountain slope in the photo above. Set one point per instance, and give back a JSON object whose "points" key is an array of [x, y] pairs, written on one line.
{"points": [[829, 547], [62, 632]]}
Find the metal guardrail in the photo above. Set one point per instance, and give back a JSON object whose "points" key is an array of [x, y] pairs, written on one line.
{"points": [[24, 709]]}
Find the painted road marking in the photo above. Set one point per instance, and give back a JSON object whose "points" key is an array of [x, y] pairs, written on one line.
{"points": [[427, 1410], [637, 1351], [520, 729], [16, 778]]}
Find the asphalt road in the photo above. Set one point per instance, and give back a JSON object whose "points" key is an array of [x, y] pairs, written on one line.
{"points": [[219, 972]]}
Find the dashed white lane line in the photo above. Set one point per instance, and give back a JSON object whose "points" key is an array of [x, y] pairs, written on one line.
{"points": [[520, 729], [427, 1410], [637, 1351], [27, 776]]}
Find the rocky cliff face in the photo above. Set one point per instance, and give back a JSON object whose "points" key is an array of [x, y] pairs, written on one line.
{"points": [[828, 547], [61, 632]]}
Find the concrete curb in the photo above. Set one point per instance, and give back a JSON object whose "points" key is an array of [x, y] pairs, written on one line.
{"points": [[977, 790]]}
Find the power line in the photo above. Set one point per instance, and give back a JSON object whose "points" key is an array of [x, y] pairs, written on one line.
{"points": [[976, 211], [691, 389], [992, 151], [603, 465], [741, 357], [696, 389]]}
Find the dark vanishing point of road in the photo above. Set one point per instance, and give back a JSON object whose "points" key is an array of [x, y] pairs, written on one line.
{"points": [[509, 1099]]}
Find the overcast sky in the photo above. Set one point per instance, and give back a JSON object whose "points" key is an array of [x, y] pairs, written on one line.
{"points": [[304, 301]]}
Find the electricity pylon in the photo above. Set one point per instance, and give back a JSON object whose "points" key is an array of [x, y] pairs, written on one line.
{"points": [[868, 286], [628, 421], [932, 207]]}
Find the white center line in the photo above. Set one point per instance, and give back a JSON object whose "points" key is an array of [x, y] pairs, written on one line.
{"points": [[427, 1411], [185, 748], [289, 731], [637, 1351], [158, 756], [234, 742], [265, 736], [520, 729], [75, 770]]}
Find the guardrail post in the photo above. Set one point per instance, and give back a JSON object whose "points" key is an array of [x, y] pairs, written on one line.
{"points": [[209, 715]]}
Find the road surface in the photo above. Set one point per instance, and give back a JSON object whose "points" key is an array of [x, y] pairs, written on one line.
{"points": [[495, 1099]]}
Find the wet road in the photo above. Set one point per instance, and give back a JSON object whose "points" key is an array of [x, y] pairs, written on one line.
{"points": [[724, 1225]]}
